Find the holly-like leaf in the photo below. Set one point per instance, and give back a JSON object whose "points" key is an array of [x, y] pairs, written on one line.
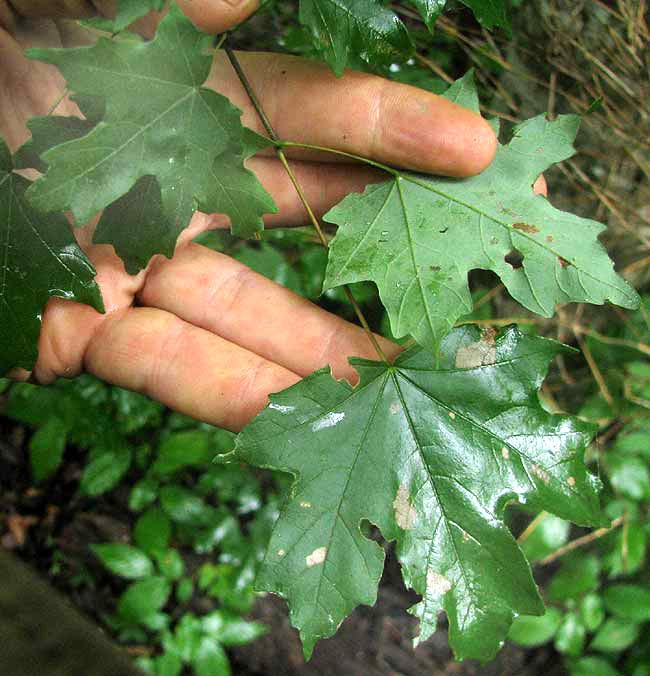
{"points": [[345, 30], [159, 122], [431, 456], [430, 10], [417, 237], [490, 13], [39, 259]]}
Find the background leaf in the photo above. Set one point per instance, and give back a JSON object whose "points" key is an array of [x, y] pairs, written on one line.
{"points": [[41, 249]]}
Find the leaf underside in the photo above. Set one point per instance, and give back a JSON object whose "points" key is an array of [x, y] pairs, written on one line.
{"points": [[39, 259], [431, 456], [160, 123], [417, 237]]}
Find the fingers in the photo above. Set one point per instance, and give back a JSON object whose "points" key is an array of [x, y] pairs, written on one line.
{"points": [[186, 368], [217, 16], [219, 294], [363, 114]]}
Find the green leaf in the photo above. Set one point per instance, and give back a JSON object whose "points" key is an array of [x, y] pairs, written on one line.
{"points": [[170, 563], [124, 560], [152, 531], [592, 611], [211, 659], [46, 448], [182, 449], [345, 30], [431, 457], [105, 470], [535, 631], [490, 13], [168, 665], [128, 11], [630, 476], [417, 237], [577, 576], [185, 590], [230, 629], [628, 550], [186, 136], [571, 635], [144, 493], [615, 635], [550, 534], [40, 260], [430, 10], [593, 666], [628, 601], [184, 507], [143, 599], [186, 638]]}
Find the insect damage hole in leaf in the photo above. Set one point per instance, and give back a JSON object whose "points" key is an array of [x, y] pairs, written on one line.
{"points": [[431, 474], [434, 231]]}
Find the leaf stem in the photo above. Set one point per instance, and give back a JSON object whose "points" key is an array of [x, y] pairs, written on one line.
{"points": [[234, 62], [342, 153]]}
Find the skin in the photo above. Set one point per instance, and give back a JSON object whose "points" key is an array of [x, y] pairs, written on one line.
{"points": [[201, 332]]}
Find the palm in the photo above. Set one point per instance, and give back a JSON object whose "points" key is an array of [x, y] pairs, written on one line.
{"points": [[201, 332]]}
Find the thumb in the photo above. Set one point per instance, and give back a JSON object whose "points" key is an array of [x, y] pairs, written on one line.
{"points": [[217, 16]]}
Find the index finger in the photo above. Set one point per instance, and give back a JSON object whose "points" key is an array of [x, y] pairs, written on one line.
{"points": [[359, 113]]}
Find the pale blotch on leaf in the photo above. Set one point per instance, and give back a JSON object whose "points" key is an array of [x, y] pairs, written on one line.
{"points": [[571, 481], [306, 505], [281, 552], [405, 513], [316, 557], [540, 473], [436, 583], [452, 415], [481, 353], [505, 453], [395, 408]]}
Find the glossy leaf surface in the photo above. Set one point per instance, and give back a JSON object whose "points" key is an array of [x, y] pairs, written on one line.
{"points": [[431, 456], [417, 237], [343, 29], [39, 259]]}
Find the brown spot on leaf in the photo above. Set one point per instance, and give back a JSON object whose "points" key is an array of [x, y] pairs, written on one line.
{"points": [[563, 262], [405, 513], [524, 227], [549, 238]]}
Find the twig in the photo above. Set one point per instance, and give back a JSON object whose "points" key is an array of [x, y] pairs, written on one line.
{"points": [[581, 542], [232, 57]]}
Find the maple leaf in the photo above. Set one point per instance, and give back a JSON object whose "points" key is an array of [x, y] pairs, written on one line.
{"points": [[417, 237], [159, 122], [127, 12], [39, 258], [431, 456], [343, 29]]}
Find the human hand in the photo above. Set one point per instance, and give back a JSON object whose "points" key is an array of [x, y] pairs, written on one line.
{"points": [[202, 333]]}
